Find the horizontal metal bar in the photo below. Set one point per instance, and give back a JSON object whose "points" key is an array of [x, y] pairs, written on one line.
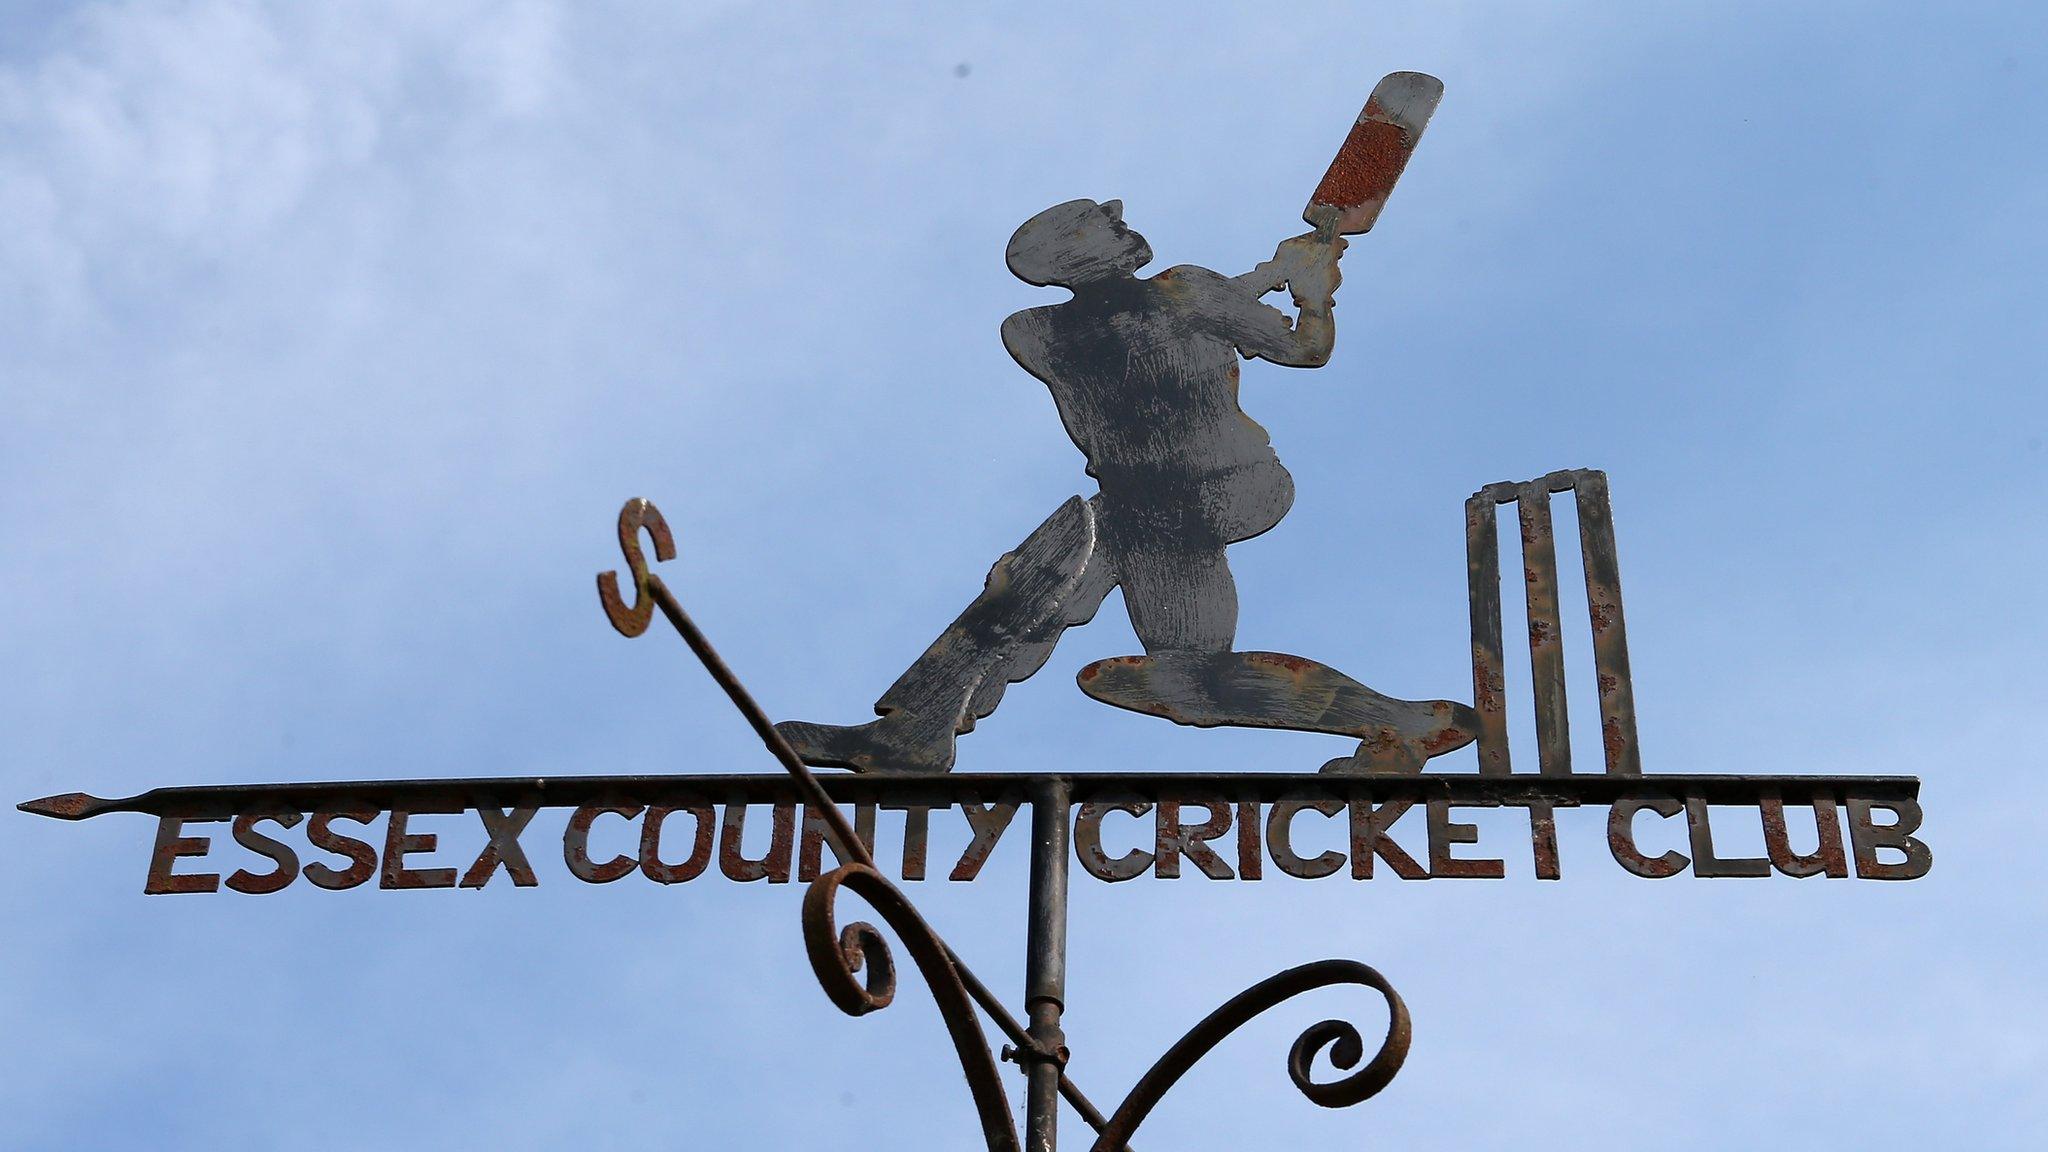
{"points": [[221, 801]]}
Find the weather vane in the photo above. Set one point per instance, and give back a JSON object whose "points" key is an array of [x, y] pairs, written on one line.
{"points": [[1144, 371]]}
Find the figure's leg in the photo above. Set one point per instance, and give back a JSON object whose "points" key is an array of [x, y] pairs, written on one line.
{"points": [[1183, 605], [1181, 601], [1098, 579], [1050, 582], [1176, 579]]}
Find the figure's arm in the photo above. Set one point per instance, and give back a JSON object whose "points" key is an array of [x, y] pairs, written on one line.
{"points": [[1307, 267]]}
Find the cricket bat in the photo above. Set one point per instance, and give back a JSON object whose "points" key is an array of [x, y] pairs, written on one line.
{"points": [[1362, 176]]}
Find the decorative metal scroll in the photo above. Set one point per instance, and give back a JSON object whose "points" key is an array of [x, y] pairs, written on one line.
{"points": [[1145, 375]]}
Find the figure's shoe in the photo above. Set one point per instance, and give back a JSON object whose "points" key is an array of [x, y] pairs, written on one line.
{"points": [[899, 743], [1391, 751], [1275, 690]]}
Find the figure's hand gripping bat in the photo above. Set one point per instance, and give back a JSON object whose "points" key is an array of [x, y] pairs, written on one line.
{"points": [[1362, 176]]}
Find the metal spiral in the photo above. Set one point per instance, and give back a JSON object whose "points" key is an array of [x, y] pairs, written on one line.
{"points": [[839, 957], [1340, 1039]]}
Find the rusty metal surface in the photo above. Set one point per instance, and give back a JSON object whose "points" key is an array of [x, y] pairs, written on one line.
{"points": [[1489, 670], [503, 850], [1280, 839], [1144, 373], [1610, 630], [1867, 836], [1370, 841], [361, 855], [838, 956], [988, 822], [1174, 839], [1619, 746], [1827, 858], [576, 845], [1359, 180], [811, 843], [652, 830], [1275, 690], [1621, 838], [1088, 841], [844, 840], [1340, 1039], [222, 802], [773, 864], [1707, 862], [1543, 841], [1546, 634], [400, 842], [171, 846], [1445, 832], [280, 854]]}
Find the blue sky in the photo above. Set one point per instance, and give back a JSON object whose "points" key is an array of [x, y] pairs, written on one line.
{"points": [[333, 338]]}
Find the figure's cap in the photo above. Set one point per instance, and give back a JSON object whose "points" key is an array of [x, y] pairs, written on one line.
{"points": [[1066, 241]]}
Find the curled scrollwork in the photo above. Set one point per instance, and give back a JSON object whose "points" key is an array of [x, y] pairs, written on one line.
{"points": [[838, 959], [1339, 1038], [632, 619]]}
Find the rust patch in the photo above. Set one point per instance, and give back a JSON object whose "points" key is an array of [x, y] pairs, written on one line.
{"points": [[1367, 165], [1490, 688], [1294, 664], [69, 806], [1446, 740]]}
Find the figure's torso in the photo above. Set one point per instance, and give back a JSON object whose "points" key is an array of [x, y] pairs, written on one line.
{"points": [[1146, 382]]}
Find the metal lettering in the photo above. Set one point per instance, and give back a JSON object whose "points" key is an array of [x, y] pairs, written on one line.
{"points": [[362, 855], [988, 824], [1444, 832], [1543, 840], [398, 844], [1704, 862], [917, 824], [576, 846], [651, 864], [1621, 838], [1088, 842], [1173, 839], [1827, 856], [1280, 839], [1866, 837], [773, 867], [810, 851], [281, 854], [170, 846], [503, 828], [1369, 838], [1251, 864]]}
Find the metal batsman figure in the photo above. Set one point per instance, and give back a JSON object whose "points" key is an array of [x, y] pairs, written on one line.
{"points": [[1144, 371]]}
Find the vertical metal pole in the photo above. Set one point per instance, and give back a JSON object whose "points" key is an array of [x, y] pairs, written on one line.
{"points": [[1489, 683], [1610, 632], [1045, 965], [1546, 643]]}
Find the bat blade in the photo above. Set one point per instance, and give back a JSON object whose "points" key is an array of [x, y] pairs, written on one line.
{"points": [[1362, 176]]}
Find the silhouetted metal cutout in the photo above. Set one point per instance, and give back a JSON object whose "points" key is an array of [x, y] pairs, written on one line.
{"points": [[1144, 373]]}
